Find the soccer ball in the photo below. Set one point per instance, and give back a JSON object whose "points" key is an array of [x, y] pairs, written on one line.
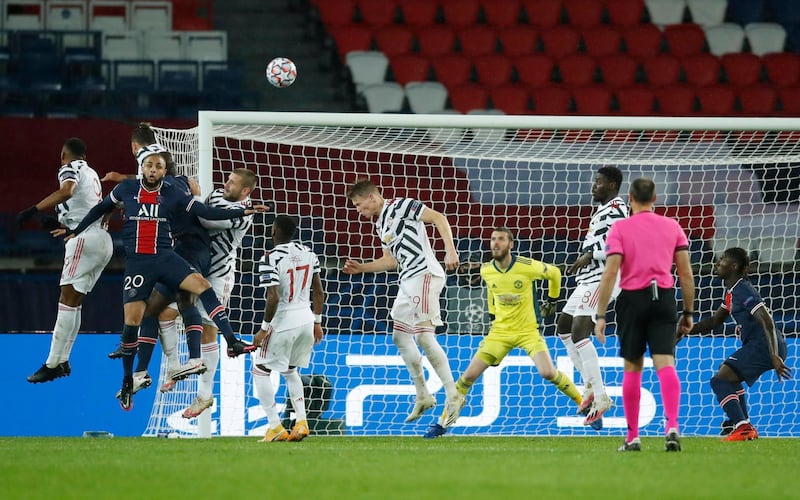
{"points": [[281, 72]]}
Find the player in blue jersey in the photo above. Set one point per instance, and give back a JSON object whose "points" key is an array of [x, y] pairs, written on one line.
{"points": [[150, 206], [763, 347]]}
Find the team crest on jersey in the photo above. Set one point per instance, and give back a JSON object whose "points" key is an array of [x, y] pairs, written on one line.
{"points": [[518, 284], [508, 299]]}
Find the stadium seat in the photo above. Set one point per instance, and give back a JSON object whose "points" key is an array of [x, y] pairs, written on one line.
{"points": [[434, 41], [577, 69], [642, 41], [350, 38], [618, 70], [724, 38], [716, 101], [624, 13], [592, 100], [417, 13], [701, 70], [741, 68], [335, 14], [205, 45], [635, 101], [560, 41], [394, 40], [377, 14], [534, 70], [707, 12], [465, 98], [366, 67], [765, 38], [501, 14], [460, 13], [193, 15], [151, 16], [178, 84], [511, 99], [518, 40], [584, 13], [792, 37], [601, 41], [675, 100], [666, 12], [757, 100], [112, 16], [452, 70], [685, 39], [410, 68], [163, 45], [787, 12], [69, 15], [790, 101], [23, 15], [426, 97], [543, 13], [550, 101], [778, 250], [384, 97], [493, 70], [661, 70], [121, 45], [745, 12], [782, 68], [477, 40]]}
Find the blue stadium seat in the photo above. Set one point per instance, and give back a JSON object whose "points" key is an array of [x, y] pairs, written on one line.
{"points": [[746, 11]]}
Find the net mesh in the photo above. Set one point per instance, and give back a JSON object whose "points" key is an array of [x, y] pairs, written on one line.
{"points": [[726, 188]]}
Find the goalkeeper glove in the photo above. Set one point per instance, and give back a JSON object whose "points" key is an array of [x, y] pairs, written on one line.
{"points": [[548, 307], [26, 214]]}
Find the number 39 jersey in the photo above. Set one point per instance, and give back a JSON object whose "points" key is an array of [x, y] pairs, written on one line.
{"points": [[290, 266]]}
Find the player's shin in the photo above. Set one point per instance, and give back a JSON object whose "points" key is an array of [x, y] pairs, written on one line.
{"points": [[437, 358], [194, 330], [295, 386], [130, 341], [148, 335], [68, 321], [210, 356], [728, 398], [266, 396], [169, 342], [564, 384], [217, 313]]}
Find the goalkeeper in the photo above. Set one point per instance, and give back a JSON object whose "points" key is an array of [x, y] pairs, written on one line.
{"points": [[510, 283]]}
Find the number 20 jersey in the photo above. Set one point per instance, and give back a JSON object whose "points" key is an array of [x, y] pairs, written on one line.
{"points": [[291, 266]]}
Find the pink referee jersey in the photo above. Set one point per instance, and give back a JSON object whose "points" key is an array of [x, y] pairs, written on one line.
{"points": [[647, 243]]}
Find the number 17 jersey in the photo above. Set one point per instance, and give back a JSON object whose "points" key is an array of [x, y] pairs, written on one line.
{"points": [[291, 266]]}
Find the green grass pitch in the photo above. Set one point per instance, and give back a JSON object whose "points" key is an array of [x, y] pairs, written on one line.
{"points": [[395, 467]]}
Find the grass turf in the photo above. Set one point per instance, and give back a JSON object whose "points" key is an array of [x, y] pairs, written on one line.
{"points": [[394, 467]]}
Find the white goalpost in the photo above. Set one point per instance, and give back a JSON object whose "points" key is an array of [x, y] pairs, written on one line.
{"points": [[728, 182]]}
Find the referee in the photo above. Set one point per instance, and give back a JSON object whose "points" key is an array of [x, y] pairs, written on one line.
{"points": [[642, 249]]}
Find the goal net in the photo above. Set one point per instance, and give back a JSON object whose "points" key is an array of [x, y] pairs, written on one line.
{"points": [[728, 182]]}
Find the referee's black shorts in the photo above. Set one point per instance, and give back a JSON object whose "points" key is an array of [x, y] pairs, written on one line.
{"points": [[643, 322]]}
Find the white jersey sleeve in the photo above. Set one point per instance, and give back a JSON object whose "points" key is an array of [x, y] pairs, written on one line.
{"points": [[595, 241], [87, 192], [226, 235], [291, 267], [402, 232]]}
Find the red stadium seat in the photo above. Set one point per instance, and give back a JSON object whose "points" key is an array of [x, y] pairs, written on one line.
{"points": [[601, 40], [394, 40], [663, 69], [790, 101], [543, 13], [501, 14], [465, 98], [643, 41], [460, 13], [418, 12], [518, 40], [618, 70], [635, 101], [757, 100], [410, 68], [350, 38], [511, 99], [783, 68], [701, 70], [741, 69], [436, 41], [560, 40], [493, 70], [624, 12], [675, 100], [535, 70], [577, 69], [550, 100], [685, 39], [716, 101], [338, 13], [477, 40], [452, 70], [583, 13], [592, 100], [377, 12]]}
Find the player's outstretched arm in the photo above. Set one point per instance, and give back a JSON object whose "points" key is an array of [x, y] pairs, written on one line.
{"points": [[768, 325], [62, 194], [317, 303], [386, 263], [446, 232], [605, 288], [97, 211]]}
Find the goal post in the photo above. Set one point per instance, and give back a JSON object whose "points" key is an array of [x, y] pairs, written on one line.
{"points": [[728, 181]]}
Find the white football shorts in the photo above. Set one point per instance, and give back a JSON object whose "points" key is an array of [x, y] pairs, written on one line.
{"points": [[418, 300], [85, 257], [223, 286], [290, 347], [583, 301]]}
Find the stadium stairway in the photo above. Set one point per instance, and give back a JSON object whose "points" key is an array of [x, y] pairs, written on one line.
{"points": [[259, 30]]}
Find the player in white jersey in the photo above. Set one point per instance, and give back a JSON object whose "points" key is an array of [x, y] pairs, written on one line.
{"points": [[85, 257], [226, 238], [576, 321], [400, 225], [292, 324]]}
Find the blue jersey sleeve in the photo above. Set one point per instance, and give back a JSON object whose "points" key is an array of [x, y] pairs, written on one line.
{"points": [[198, 209]]}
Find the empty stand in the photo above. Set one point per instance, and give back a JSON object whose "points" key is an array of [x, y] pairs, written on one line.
{"points": [[782, 69], [109, 15], [635, 101], [122, 45], [675, 100], [666, 12], [592, 100], [745, 11], [757, 100], [661, 70], [511, 99], [624, 13], [377, 13], [493, 70], [205, 45], [577, 69], [67, 15], [543, 13], [339, 13], [465, 98], [707, 12], [426, 97], [765, 38], [23, 15], [786, 10], [384, 97], [534, 70], [163, 45], [741, 68], [394, 40], [560, 40], [701, 69], [459, 13], [350, 38], [601, 40], [685, 39], [790, 101], [477, 40], [518, 40], [724, 38], [452, 70], [642, 41], [367, 67], [151, 16], [410, 68], [584, 13], [418, 12], [550, 100], [501, 14], [434, 41], [716, 101], [618, 70]]}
